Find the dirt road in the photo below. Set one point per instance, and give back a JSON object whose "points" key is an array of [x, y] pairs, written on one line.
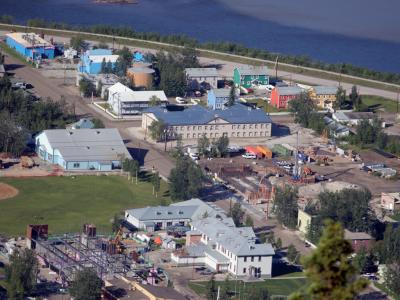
{"points": [[54, 89]]}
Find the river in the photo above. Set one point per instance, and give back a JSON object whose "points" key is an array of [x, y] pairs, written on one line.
{"points": [[361, 32]]}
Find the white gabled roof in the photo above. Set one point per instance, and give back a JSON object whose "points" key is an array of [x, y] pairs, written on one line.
{"points": [[99, 58], [127, 95]]}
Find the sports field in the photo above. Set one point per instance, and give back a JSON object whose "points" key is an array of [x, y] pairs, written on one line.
{"points": [[65, 203]]}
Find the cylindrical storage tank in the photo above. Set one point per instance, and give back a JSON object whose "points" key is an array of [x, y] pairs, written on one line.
{"points": [[142, 65], [141, 77]]}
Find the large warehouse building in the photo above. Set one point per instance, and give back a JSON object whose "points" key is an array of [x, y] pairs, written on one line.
{"points": [[30, 45], [82, 149], [237, 121]]}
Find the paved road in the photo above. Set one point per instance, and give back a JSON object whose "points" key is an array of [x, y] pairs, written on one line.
{"points": [[228, 66], [48, 87]]}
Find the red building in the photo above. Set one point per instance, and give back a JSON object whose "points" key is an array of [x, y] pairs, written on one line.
{"points": [[281, 95], [359, 240]]}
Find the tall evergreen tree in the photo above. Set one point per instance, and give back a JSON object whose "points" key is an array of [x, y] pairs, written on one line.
{"points": [[86, 285]]}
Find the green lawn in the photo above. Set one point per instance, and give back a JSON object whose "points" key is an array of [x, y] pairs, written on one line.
{"points": [[266, 106], [383, 288], [376, 103], [65, 203], [275, 286]]}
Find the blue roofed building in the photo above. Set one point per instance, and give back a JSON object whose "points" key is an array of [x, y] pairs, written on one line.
{"points": [[237, 121], [82, 149], [91, 60], [30, 45], [217, 98]]}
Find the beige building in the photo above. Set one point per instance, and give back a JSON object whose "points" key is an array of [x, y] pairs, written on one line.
{"points": [[323, 96], [303, 221], [237, 121], [390, 201]]}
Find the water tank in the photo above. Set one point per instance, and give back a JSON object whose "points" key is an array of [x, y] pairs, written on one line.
{"points": [[141, 76]]}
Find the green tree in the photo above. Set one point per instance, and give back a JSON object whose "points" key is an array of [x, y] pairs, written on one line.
{"points": [[103, 68], [225, 291], [154, 101], [355, 98], [340, 98], [116, 222], [278, 243], [155, 180], [98, 123], [285, 206], [78, 43], [292, 254], [329, 270], [221, 145], [20, 274], [86, 285], [236, 213], [86, 87], [109, 68], [388, 250], [157, 129], [262, 238], [132, 167], [364, 261], [211, 290], [203, 143], [392, 278], [261, 293], [232, 96], [123, 62], [314, 231], [185, 180], [6, 19], [249, 221]]}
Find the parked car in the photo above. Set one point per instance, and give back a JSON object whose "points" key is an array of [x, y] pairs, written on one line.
{"points": [[249, 155]]}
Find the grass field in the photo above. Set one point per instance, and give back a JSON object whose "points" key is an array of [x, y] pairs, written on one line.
{"points": [[275, 287], [376, 103], [65, 203], [265, 106]]}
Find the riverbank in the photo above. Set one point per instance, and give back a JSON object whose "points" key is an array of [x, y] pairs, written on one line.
{"points": [[305, 71]]}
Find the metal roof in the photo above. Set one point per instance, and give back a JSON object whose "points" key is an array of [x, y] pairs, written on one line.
{"points": [[29, 40], [163, 212], [87, 144], [127, 95], [221, 93], [201, 72], [199, 115], [143, 70], [288, 90], [325, 90], [252, 70], [237, 240], [359, 115], [350, 235], [83, 123]]}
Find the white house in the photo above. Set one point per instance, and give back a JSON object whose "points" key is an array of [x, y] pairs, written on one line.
{"points": [[124, 101], [223, 247], [82, 149], [201, 76], [352, 118]]}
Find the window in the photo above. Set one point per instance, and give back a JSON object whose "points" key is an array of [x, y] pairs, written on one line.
{"points": [[233, 126], [188, 135], [211, 135], [244, 133], [252, 259], [245, 259], [188, 128], [244, 270], [255, 133], [255, 126], [211, 127], [169, 223], [250, 126], [199, 127], [194, 127], [194, 135], [244, 127], [259, 258], [49, 156], [77, 165]]}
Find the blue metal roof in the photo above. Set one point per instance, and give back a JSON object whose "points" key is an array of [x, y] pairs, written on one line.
{"points": [[99, 52], [199, 115]]}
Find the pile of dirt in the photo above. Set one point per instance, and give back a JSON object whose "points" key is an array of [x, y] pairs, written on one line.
{"points": [[7, 191]]}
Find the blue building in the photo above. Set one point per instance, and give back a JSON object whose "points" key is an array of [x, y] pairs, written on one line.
{"points": [[216, 98], [30, 45], [91, 60], [82, 149]]}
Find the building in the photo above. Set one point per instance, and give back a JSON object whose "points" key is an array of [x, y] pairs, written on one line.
{"points": [[30, 45], [237, 121], [323, 96], [141, 76], [390, 201], [281, 95], [303, 221], [83, 149], [223, 247], [352, 118], [103, 81], [359, 240], [206, 77], [336, 129], [217, 98], [92, 60], [249, 76], [160, 217], [83, 123], [124, 101]]}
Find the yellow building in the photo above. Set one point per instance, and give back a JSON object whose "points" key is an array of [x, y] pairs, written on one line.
{"points": [[303, 221], [323, 96]]}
